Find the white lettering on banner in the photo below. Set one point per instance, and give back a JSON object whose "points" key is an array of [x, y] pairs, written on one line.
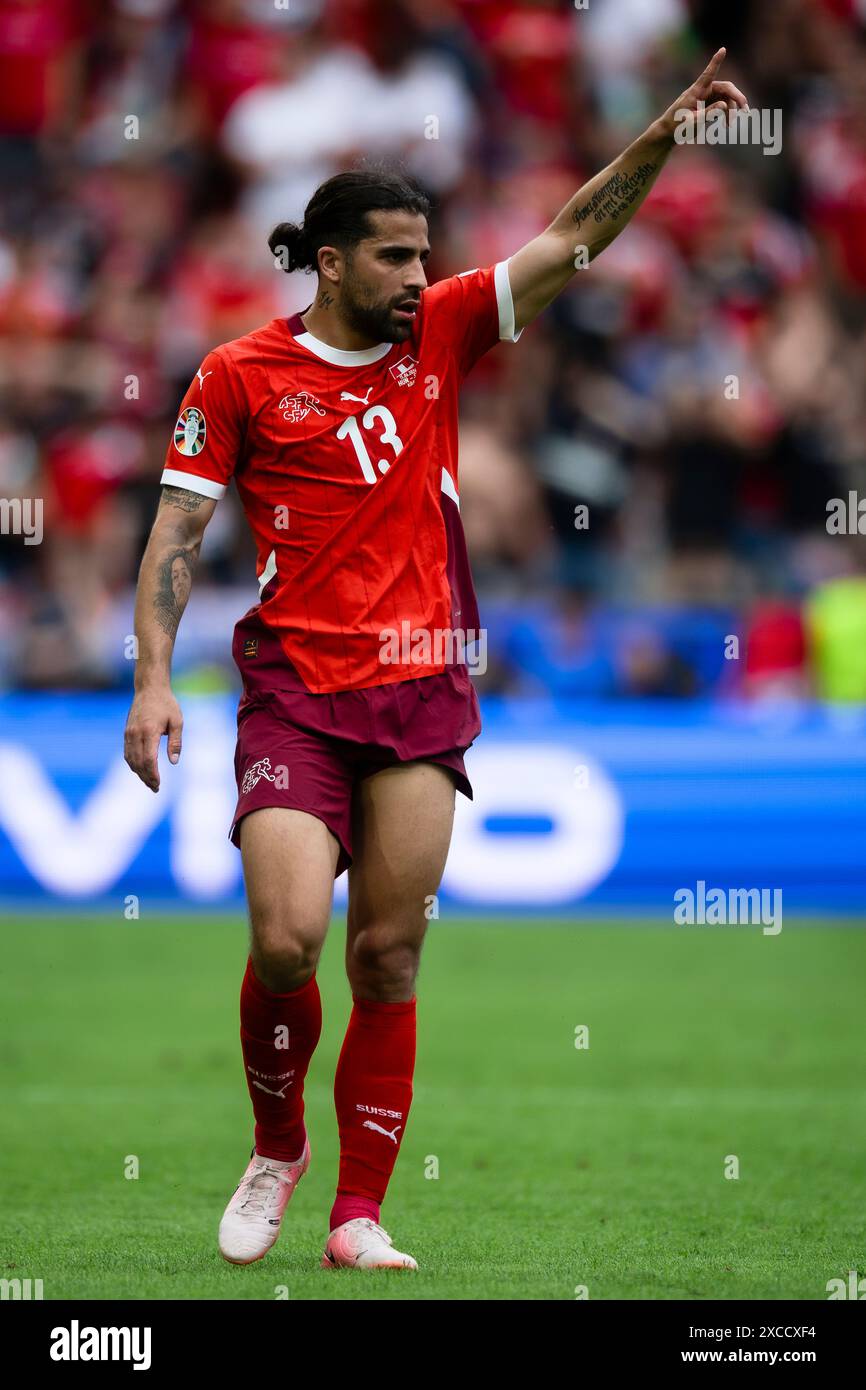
{"points": [[75, 854], [84, 853], [204, 861], [534, 779], [526, 869]]}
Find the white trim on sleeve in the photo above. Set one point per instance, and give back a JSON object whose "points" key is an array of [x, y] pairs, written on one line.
{"points": [[172, 477], [505, 301]]}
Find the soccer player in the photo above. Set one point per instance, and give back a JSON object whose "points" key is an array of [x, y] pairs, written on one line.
{"points": [[339, 427]]}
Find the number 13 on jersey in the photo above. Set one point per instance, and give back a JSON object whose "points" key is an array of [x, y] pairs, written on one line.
{"points": [[351, 429]]}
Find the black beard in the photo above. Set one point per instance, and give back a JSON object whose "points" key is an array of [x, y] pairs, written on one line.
{"points": [[375, 321]]}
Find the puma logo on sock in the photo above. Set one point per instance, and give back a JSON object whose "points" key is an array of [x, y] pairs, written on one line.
{"points": [[388, 1133]]}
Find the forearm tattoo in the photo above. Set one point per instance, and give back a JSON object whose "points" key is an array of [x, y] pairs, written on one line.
{"points": [[181, 497], [174, 582], [615, 196]]}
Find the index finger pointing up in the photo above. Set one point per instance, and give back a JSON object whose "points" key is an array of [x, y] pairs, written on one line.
{"points": [[714, 64]]}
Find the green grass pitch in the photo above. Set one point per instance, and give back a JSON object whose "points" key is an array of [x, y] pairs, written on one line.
{"points": [[558, 1167]]}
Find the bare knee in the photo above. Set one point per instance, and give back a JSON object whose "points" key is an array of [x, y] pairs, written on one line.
{"points": [[284, 954], [381, 964]]}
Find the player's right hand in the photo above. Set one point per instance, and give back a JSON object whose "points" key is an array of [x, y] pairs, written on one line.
{"points": [[153, 713]]}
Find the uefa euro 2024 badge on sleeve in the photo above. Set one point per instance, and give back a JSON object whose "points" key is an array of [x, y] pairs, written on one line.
{"points": [[190, 432]]}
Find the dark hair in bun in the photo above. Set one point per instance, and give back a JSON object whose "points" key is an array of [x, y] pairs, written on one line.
{"points": [[289, 242], [336, 215]]}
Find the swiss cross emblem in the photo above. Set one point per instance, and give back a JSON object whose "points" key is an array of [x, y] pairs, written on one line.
{"points": [[297, 408], [405, 371]]}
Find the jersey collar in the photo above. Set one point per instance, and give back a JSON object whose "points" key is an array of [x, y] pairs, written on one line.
{"points": [[338, 357]]}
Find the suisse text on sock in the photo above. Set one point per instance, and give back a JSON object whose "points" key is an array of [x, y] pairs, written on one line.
{"points": [[76, 1343]]}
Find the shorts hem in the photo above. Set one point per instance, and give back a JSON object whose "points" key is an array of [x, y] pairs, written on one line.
{"points": [[461, 780], [344, 858]]}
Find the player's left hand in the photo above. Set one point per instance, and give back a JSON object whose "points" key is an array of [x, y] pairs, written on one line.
{"points": [[715, 94]]}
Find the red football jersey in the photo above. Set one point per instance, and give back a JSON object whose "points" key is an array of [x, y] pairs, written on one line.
{"points": [[346, 466]]}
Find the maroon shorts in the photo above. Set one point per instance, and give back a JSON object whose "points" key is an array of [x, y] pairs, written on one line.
{"points": [[307, 752]]}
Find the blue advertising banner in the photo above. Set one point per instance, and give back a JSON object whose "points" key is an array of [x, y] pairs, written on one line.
{"points": [[601, 807]]}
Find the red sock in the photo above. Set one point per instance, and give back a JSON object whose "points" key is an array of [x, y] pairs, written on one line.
{"points": [[279, 1033], [373, 1087]]}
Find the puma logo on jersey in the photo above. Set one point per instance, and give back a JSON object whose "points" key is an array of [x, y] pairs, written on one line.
{"points": [[362, 400], [388, 1133], [297, 408], [255, 774], [405, 371], [201, 378]]}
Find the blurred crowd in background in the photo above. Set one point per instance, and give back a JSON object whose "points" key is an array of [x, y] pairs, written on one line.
{"points": [[700, 390]]}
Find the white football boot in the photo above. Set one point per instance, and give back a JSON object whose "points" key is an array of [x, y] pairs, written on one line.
{"points": [[362, 1244], [251, 1221]]}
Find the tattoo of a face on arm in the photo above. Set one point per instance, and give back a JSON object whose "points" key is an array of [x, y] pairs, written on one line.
{"points": [[181, 497], [615, 196], [174, 582]]}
